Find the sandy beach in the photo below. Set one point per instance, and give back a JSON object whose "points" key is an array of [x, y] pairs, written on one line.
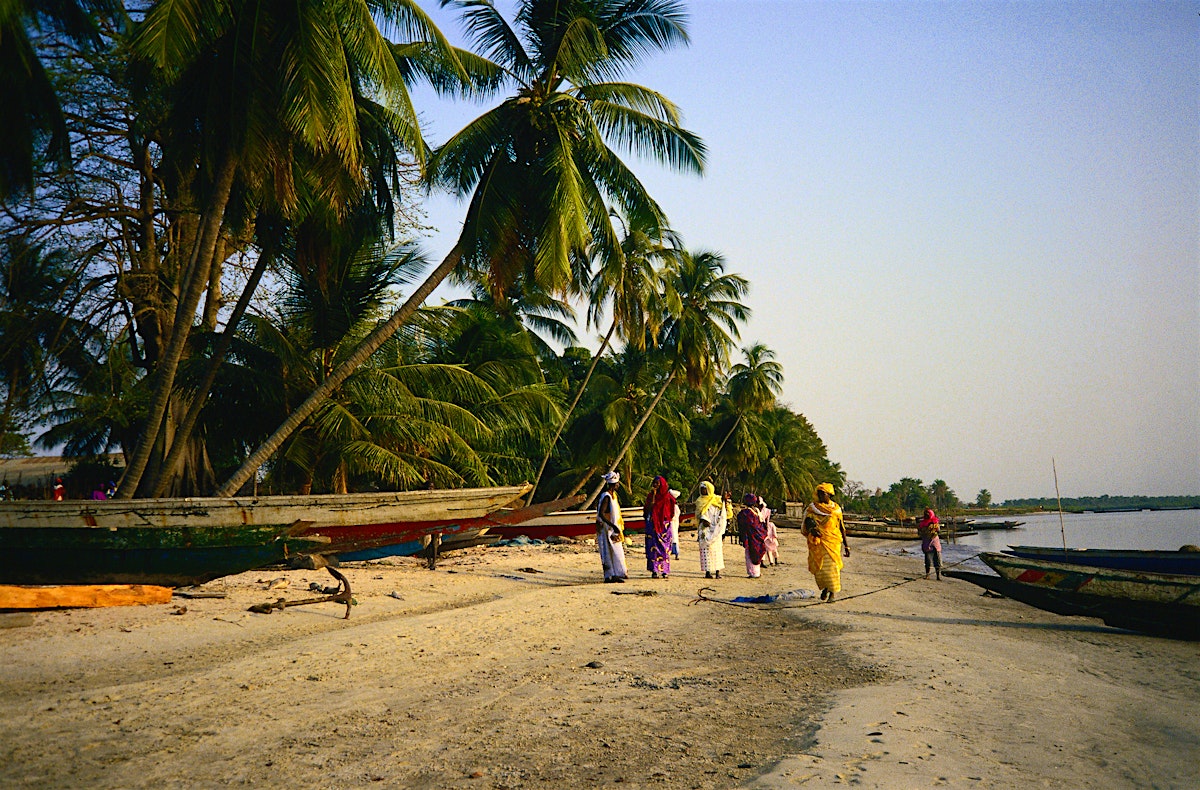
{"points": [[517, 668]]}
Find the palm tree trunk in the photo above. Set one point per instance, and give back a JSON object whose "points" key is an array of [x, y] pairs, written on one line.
{"points": [[570, 411], [707, 466], [184, 432], [168, 365], [629, 442], [342, 372]]}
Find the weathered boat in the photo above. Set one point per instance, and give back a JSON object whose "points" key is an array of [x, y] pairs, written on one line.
{"points": [[879, 529], [450, 534], [1144, 561], [179, 542], [566, 523], [1154, 603]]}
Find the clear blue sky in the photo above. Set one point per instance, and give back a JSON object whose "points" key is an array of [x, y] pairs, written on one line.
{"points": [[972, 228]]}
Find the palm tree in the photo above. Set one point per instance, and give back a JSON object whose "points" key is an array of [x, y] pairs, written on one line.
{"points": [[538, 168], [791, 458], [753, 387], [265, 84], [704, 312], [39, 337], [626, 280], [32, 109]]}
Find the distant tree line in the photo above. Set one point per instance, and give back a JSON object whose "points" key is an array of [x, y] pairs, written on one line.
{"points": [[908, 497], [1106, 502]]}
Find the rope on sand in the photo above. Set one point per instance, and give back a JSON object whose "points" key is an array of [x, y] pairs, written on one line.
{"points": [[701, 597]]}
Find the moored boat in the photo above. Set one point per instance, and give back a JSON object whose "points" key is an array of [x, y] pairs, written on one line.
{"points": [[1144, 561], [879, 529], [1162, 604]]}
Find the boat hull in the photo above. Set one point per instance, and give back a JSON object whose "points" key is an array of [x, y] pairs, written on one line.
{"points": [[178, 542], [1143, 561], [1161, 604], [168, 557], [567, 524]]}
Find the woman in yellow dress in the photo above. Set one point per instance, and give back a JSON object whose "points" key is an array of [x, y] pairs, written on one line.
{"points": [[825, 531]]}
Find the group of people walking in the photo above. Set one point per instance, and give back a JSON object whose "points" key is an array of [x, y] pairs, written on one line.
{"points": [[824, 532]]}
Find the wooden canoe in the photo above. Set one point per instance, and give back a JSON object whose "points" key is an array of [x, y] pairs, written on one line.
{"points": [[1144, 561], [179, 542], [1162, 604], [565, 523]]}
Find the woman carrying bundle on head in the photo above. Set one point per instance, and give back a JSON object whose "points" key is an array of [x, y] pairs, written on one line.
{"points": [[710, 530], [826, 535]]}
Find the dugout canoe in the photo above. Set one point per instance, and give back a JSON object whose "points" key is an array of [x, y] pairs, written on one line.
{"points": [[188, 541], [566, 523], [1153, 603], [1185, 562]]}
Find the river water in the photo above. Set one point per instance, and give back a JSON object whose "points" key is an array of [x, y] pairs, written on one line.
{"points": [[1144, 529]]}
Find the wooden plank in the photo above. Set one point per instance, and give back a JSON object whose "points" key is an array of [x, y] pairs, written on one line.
{"points": [[82, 596]]}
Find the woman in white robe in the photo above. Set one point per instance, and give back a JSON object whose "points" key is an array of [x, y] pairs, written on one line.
{"points": [[610, 531], [710, 530]]}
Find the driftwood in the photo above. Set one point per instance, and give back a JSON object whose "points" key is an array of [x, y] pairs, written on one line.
{"points": [[88, 596]]}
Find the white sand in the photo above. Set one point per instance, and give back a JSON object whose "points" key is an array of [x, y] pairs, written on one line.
{"points": [[477, 677]]}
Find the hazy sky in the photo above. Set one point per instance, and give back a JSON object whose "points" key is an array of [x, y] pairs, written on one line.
{"points": [[972, 229]]}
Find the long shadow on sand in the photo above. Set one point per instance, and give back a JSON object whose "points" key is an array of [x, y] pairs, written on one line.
{"points": [[1076, 627]]}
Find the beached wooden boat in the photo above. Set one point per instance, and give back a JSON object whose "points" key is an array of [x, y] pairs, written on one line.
{"points": [[450, 534], [565, 523], [179, 542], [1144, 561], [406, 517], [1162, 604]]}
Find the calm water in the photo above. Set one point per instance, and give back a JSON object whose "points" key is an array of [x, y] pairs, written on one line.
{"points": [[1160, 529], [1146, 529]]}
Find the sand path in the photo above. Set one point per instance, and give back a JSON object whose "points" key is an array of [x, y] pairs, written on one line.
{"points": [[477, 675]]}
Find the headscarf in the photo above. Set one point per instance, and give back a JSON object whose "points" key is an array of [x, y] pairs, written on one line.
{"points": [[660, 505], [708, 498], [750, 500], [611, 477], [826, 487]]}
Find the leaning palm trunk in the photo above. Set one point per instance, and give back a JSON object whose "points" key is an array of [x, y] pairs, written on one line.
{"points": [[342, 372], [198, 271], [184, 432], [717, 454], [633, 436], [567, 416]]}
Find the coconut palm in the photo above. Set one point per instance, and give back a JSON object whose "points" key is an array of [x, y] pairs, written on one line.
{"points": [[39, 336], [625, 282], [703, 314], [256, 87], [538, 169], [32, 110], [621, 390], [792, 458], [753, 386]]}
